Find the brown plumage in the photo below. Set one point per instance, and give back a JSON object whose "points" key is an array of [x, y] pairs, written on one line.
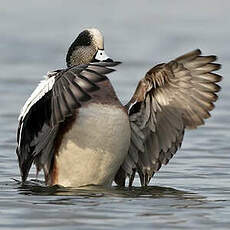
{"points": [[171, 97]]}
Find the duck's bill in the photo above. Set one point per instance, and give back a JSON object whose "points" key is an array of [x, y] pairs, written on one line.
{"points": [[102, 56]]}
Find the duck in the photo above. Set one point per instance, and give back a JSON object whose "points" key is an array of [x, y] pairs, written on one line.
{"points": [[74, 128]]}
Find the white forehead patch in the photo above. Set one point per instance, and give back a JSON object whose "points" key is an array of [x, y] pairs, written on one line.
{"points": [[101, 55], [97, 37]]}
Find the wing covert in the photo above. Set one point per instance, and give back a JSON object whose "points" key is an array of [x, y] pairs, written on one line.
{"points": [[171, 97], [53, 101]]}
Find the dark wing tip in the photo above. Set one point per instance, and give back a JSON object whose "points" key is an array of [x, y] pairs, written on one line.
{"points": [[217, 77], [198, 51], [24, 168], [115, 63], [213, 57], [214, 66], [106, 64], [217, 66]]}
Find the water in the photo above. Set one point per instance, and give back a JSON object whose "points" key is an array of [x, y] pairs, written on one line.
{"points": [[193, 191]]}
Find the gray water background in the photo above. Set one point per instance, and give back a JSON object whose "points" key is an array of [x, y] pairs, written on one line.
{"points": [[193, 190]]}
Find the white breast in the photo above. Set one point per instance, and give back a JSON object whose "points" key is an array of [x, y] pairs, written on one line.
{"points": [[94, 148]]}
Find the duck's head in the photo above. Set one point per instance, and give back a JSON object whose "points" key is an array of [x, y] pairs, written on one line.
{"points": [[87, 47]]}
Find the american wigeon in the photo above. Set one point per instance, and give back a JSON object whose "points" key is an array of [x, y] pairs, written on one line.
{"points": [[75, 129]]}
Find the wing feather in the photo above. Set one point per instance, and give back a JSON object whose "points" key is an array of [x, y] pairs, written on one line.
{"points": [[53, 101], [171, 97]]}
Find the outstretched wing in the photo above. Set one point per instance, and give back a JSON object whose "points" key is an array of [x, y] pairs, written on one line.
{"points": [[53, 101], [170, 98]]}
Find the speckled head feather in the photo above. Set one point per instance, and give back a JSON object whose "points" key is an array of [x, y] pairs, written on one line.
{"points": [[85, 47]]}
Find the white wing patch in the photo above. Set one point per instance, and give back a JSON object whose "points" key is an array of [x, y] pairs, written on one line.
{"points": [[131, 105], [43, 87]]}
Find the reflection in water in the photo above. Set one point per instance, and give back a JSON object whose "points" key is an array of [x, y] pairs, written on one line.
{"points": [[37, 187]]}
